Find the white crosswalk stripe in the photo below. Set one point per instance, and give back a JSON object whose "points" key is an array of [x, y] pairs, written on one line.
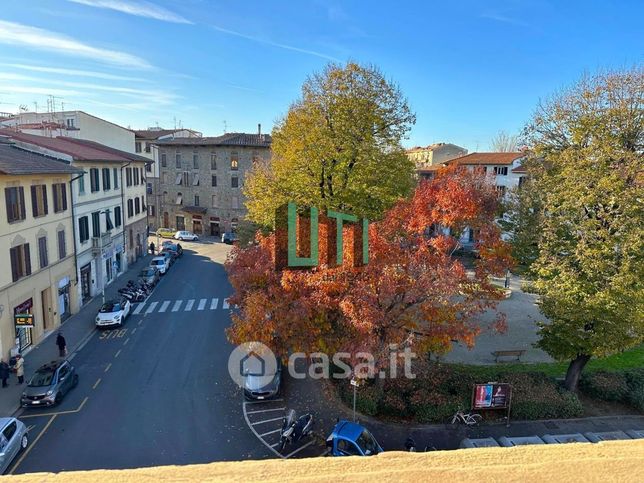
{"points": [[161, 306], [139, 308], [151, 307]]}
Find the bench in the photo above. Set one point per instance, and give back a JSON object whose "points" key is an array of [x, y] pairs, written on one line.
{"points": [[514, 353]]}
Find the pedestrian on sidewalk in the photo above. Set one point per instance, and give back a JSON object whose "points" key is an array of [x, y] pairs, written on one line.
{"points": [[4, 372], [20, 369], [152, 248], [62, 345]]}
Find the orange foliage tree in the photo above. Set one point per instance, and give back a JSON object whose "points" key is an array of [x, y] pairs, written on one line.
{"points": [[413, 291]]}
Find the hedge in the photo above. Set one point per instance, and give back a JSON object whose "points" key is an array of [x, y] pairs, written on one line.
{"points": [[439, 390], [625, 386]]}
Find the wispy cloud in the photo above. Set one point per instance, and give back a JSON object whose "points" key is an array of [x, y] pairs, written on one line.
{"points": [[504, 19], [274, 44], [44, 91], [40, 39], [140, 9], [73, 72]]}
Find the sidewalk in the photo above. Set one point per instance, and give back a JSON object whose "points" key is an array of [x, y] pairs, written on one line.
{"points": [[76, 330]]}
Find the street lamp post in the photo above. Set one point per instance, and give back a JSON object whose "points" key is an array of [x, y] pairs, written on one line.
{"points": [[108, 230]]}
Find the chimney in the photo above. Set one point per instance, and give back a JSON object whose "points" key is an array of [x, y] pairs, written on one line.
{"points": [[259, 129]]}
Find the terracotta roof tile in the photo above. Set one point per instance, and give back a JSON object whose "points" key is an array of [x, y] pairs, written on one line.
{"points": [[17, 161], [229, 139], [487, 158]]}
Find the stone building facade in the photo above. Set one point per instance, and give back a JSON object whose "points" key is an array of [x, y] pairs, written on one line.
{"points": [[201, 180]]}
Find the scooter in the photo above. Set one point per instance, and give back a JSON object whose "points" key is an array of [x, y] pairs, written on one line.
{"points": [[294, 429], [132, 295]]}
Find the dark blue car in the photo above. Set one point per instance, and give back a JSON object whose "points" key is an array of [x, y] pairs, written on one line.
{"points": [[351, 439]]}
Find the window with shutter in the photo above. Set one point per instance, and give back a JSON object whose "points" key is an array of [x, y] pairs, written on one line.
{"points": [[39, 200], [42, 252], [62, 247]]}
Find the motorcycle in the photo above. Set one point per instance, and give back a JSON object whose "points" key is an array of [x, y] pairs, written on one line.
{"points": [[132, 295], [294, 429]]}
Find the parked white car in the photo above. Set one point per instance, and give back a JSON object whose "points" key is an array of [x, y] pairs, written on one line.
{"points": [[13, 440], [162, 264], [113, 313], [185, 235]]}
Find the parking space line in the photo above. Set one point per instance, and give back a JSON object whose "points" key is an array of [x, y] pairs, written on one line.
{"points": [[71, 411], [151, 307], [270, 432], [26, 452], [299, 449], [98, 381], [270, 447], [177, 305], [213, 304], [108, 367], [263, 402], [189, 305], [138, 308], [117, 354], [225, 305], [266, 421], [164, 306], [275, 445], [202, 304], [265, 410]]}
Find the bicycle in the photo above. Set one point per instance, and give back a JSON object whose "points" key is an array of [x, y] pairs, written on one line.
{"points": [[469, 419]]}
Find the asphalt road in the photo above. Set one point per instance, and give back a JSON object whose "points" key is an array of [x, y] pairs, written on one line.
{"points": [[156, 392]]}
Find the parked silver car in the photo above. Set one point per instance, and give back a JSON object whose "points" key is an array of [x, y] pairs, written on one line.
{"points": [[13, 439], [49, 384]]}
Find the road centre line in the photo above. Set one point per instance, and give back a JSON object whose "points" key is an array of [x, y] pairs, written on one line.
{"points": [[117, 354], [126, 341], [108, 367], [265, 410], [98, 381], [270, 432], [29, 448], [266, 421], [133, 330]]}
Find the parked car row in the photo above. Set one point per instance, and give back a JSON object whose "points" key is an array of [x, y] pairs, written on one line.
{"points": [[181, 235]]}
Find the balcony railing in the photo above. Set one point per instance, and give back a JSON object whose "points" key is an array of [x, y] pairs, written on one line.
{"points": [[101, 243]]}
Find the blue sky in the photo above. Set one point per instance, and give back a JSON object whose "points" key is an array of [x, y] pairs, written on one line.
{"points": [[468, 68]]}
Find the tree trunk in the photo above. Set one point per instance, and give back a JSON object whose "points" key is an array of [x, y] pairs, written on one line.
{"points": [[574, 371]]}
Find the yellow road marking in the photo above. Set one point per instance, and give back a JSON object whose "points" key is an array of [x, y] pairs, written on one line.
{"points": [[71, 411], [108, 367], [29, 448], [98, 381], [117, 354]]}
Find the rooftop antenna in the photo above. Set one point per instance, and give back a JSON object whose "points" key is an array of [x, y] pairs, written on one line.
{"points": [[225, 126], [175, 121], [35, 106]]}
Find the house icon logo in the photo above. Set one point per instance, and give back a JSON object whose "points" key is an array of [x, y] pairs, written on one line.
{"points": [[251, 359]]}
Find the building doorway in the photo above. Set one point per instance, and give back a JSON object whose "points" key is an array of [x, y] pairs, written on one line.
{"points": [[86, 282], [108, 269], [196, 226], [214, 228], [181, 223], [64, 303], [23, 334], [45, 300]]}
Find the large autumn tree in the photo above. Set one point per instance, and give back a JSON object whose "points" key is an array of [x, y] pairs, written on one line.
{"points": [[338, 147], [412, 291], [588, 146]]}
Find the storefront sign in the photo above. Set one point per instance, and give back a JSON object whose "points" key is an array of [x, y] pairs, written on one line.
{"points": [[491, 396], [24, 321]]}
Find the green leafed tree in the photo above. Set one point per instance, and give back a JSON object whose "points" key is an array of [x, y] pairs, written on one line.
{"points": [[590, 264], [338, 147]]}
